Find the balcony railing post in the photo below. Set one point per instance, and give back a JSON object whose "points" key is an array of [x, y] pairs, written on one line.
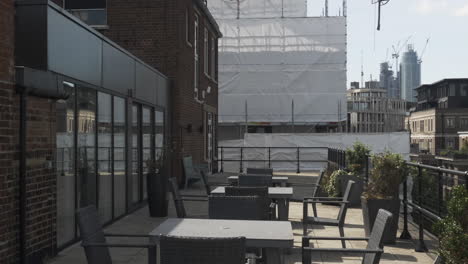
{"points": [[439, 192], [222, 159], [306, 256], [241, 159], [298, 161], [366, 175], [466, 180], [269, 157], [405, 234], [420, 246]]}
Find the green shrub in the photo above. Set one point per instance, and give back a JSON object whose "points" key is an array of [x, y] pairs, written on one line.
{"points": [[453, 229], [333, 185], [356, 158], [389, 170]]}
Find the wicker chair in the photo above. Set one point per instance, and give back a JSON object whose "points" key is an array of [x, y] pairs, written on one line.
{"points": [[253, 191], [255, 180], [192, 171], [94, 239], [371, 254], [339, 221], [239, 207], [186, 250], [260, 171], [179, 199]]}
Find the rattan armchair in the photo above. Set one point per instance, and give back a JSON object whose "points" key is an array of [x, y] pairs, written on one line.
{"points": [[239, 207], [339, 221], [187, 250], [260, 171], [371, 254], [255, 180], [94, 239]]}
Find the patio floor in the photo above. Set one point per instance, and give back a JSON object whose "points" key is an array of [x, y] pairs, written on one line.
{"points": [[140, 223]]}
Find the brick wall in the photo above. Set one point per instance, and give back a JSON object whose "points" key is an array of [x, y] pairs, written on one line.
{"points": [[8, 138], [40, 181], [155, 32]]}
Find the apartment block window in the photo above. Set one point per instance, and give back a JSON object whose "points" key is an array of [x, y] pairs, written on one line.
{"points": [[206, 53], [464, 123], [213, 59], [92, 12], [450, 122], [464, 90], [452, 90], [421, 126]]}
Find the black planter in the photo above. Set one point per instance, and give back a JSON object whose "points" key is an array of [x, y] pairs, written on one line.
{"points": [[157, 195], [370, 208], [356, 192]]}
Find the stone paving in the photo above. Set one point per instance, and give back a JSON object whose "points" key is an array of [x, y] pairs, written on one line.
{"points": [[140, 223]]}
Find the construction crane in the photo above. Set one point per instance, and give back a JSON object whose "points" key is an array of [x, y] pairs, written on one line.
{"points": [[397, 50], [424, 50]]}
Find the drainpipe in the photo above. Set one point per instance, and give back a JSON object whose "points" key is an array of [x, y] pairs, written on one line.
{"points": [[22, 175]]}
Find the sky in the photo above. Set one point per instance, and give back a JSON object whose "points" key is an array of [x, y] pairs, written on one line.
{"points": [[445, 22]]}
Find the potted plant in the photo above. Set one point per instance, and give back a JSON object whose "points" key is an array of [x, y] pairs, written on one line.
{"points": [[356, 160], [388, 172], [156, 186], [453, 229], [333, 186]]}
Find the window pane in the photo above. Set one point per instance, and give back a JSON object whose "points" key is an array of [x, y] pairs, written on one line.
{"points": [[120, 183], [159, 137], [86, 99], [147, 132], [135, 155], [105, 156], [65, 163]]}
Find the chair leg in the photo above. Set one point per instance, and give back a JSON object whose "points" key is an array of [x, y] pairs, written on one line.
{"points": [[314, 208], [343, 243], [304, 219]]}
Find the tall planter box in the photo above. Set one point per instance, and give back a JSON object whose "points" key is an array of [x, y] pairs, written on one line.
{"points": [[370, 208], [356, 192], [156, 188]]}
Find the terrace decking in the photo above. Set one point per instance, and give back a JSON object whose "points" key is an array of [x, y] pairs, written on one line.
{"points": [[140, 223]]}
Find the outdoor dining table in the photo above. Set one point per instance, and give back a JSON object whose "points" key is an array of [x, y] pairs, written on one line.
{"points": [[273, 236], [280, 180], [280, 194]]}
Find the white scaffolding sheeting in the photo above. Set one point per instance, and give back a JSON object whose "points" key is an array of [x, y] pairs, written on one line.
{"points": [[267, 64], [229, 9]]}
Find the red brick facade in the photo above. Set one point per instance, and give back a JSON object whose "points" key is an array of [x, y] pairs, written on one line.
{"points": [[40, 178], [155, 31]]}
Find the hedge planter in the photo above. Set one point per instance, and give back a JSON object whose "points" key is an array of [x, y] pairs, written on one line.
{"points": [[358, 187], [370, 207], [157, 194]]}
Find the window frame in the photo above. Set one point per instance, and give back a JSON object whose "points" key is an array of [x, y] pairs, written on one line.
{"points": [[206, 59], [187, 27]]}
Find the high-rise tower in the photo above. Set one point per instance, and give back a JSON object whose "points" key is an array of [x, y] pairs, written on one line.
{"points": [[410, 73]]}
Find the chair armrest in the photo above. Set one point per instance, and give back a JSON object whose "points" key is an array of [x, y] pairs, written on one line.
{"points": [[336, 238], [195, 199], [343, 250], [114, 245], [125, 235], [324, 198], [326, 202], [193, 195]]}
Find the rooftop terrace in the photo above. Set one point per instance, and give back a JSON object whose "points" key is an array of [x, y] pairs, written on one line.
{"points": [[141, 223]]}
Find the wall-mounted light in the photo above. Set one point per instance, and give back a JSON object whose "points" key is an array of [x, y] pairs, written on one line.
{"points": [[188, 128]]}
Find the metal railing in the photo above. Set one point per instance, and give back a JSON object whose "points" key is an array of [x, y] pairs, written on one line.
{"points": [[425, 191], [240, 156]]}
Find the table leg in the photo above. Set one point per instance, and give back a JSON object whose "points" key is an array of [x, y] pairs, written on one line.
{"points": [[283, 213], [274, 256]]}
